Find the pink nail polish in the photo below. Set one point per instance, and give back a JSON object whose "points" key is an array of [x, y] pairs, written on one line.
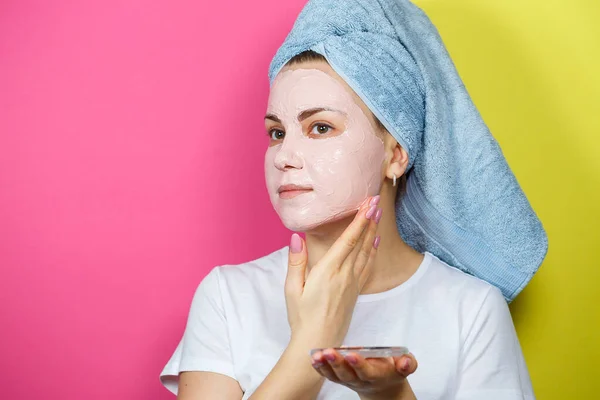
{"points": [[369, 213], [378, 215], [376, 241], [296, 243], [374, 201], [351, 359], [329, 357]]}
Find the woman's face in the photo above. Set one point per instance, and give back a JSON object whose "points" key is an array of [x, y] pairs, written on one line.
{"points": [[335, 152]]}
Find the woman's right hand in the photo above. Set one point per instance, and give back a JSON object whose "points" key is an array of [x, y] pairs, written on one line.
{"points": [[320, 308]]}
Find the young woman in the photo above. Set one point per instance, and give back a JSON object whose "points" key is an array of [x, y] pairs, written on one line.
{"points": [[335, 171]]}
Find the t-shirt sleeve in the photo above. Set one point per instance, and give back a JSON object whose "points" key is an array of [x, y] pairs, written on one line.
{"points": [[205, 342], [492, 363]]}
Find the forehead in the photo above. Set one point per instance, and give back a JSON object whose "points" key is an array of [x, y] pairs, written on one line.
{"points": [[312, 83]]}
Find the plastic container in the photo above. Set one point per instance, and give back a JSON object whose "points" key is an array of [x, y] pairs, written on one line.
{"points": [[369, 351]]}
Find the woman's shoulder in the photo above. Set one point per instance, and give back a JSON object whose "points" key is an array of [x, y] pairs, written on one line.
{"points": [[269, 269], [455, 283]]}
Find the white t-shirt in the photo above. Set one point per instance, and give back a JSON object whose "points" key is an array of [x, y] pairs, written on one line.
{"points": [[458, 327]]}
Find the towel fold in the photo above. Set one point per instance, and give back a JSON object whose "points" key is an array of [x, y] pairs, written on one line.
{"points": [[462, 203]]}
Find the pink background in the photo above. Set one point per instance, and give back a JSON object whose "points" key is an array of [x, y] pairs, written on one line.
{"points": [[131, 163]]}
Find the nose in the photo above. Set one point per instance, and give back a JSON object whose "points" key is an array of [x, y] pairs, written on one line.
{"points": [[288, 155]]}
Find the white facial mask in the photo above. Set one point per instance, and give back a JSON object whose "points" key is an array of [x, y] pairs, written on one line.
{"points": [[343, 167]]}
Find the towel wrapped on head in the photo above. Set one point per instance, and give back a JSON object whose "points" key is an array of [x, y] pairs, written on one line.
{"points": [[462, 201]]}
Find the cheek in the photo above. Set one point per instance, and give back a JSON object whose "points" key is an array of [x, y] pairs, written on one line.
{"points": [[344, 179], [342, 172]]}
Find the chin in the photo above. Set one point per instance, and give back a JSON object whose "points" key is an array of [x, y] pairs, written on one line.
{"points": [[304, 224], [299, 226]]}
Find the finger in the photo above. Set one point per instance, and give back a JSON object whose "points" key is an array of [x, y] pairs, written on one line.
{"points": [[323, 368], [348, 240], [317, 365], [368, 234], [340, 367], [317, 357], [349, 262], [366, 248], [297, 259], [406, 364], [362, 245], [365, 272], [370, 370]]}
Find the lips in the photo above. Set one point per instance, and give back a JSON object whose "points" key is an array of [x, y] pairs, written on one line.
{"points": [[289, 187]]}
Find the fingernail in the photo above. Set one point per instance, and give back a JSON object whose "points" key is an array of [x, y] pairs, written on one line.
{"points": [[370, 212], [378, 215], [316, 364], [329, 357], [374, 201], [296, 243], [351, 359], [376, 241], [406, 363]]}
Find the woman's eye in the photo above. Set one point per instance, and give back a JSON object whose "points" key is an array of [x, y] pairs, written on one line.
{"points": [[277, 132], [320, 130], [317, 129]]}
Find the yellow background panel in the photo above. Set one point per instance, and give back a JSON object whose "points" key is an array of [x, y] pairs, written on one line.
{"points": [[532, 68]]}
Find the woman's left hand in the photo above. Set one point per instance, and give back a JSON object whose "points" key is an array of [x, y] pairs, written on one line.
{"points": [[371, 378]]}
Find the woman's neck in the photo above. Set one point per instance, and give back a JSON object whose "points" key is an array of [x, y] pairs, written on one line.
{"points": [[395, 262]]}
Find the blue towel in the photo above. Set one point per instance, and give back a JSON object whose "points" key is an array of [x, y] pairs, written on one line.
{"points": [[462, 203]]}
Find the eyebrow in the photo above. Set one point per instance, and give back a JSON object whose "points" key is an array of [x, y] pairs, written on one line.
{"points": [[305, 114]]}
